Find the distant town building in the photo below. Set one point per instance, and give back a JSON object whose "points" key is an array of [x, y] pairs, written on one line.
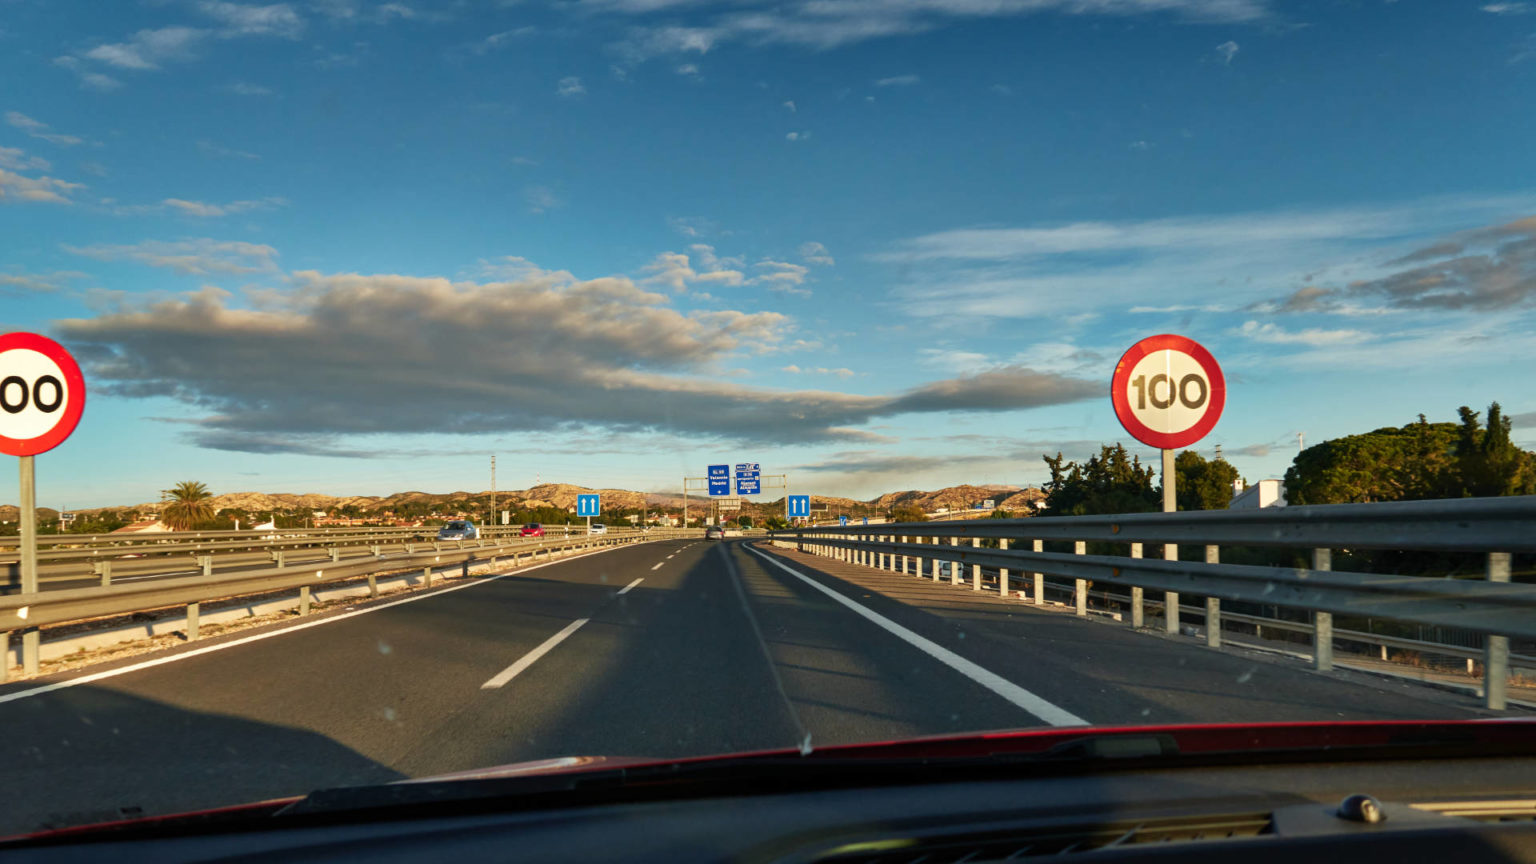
{"points": [[147, 526], [1265, 493]]}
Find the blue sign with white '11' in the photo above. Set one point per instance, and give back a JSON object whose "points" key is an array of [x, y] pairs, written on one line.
{"points": [[588, 505], [799, 505]]}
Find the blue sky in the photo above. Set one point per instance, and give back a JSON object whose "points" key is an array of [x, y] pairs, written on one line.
{"points": [[350, 247]]}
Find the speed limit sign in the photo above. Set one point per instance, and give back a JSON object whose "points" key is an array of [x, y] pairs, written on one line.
{"points": [[42, 394], [1168, 391]]}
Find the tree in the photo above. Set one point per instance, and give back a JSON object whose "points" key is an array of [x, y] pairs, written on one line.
{"points": [[1418, 461], [1111, 482], [1202, 485], [189, 506], [908, 513], [744, 521]]}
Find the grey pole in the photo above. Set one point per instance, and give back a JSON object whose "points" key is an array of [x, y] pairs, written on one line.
{"points": [[1170, 550], [1322, 622], [1496, 648], [31, 639]]}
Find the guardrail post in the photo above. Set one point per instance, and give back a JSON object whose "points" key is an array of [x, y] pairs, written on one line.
{"points": [[1080, 586], [1322, 622], [975, 568], [1496, 648], [1213, 604], [410, 548], [1039, 546], [104, 570], [936, 562], [1171, 598], [954, 566], [192, 615], [902, 538], [304, 600], [1002, 572], [464, 569], [281, 557], [207, 563], [373, 585], [376, 550], [5, 656], [1138, 595], [31, 650], [335, 554], [426, 576]]}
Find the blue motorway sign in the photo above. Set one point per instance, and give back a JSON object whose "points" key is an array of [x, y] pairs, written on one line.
{"points": [[748, 486], [799, 505], [587, 505], [866, 520], [719, 479], [748, 469], [842, 520]]}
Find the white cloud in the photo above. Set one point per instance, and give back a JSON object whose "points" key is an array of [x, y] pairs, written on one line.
{"points": [[1217, 260], [798, 136], [675, 270], [818, 370], [213, 149], [241, 88], [816, 253], [40, 130], [1002, 89], [35, 283], [17, 159], [1227, 50], [898, 81], [1509, 8], [830, 23], [790, 104], [781, 276], [42, 189], [497, 41], [205, 210], [570, 86], [1275, 335], [147, 49], [688, 69], [195, 257], [275, 20], [1140, 145], [541, 198]]}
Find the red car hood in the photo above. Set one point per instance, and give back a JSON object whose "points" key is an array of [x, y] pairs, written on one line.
{"points": [[1262, 740]]}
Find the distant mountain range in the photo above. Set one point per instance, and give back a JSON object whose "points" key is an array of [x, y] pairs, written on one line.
{"points": [[563, 496]]}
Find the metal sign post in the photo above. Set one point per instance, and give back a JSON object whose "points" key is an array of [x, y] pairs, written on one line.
{"points": [[1168, 392], [43, 395]]}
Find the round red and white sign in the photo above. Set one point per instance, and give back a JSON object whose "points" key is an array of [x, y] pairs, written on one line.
{"points": [[1168, 391], [42, 394]]}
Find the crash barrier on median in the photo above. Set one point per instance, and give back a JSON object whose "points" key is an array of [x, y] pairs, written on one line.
{"points": [[27, 613], [106, 556], [1494, 528]]}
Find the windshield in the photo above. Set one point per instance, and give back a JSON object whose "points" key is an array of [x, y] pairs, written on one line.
{"points": [[956, 330]]}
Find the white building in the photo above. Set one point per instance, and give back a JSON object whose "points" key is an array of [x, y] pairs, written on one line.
{"points": [[1265, 493]]}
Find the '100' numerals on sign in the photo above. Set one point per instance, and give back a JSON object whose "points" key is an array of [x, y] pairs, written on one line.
{"points": [[32, 394], [1148, 390]]}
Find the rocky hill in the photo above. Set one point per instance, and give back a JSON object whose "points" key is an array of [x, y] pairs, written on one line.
{"points": [[563, 496]]}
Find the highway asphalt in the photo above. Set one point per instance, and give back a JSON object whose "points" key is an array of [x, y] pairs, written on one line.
{"points": [[662, 649]]}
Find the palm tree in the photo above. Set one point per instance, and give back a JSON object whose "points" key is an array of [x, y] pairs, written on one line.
{"points": [[189, 506]]}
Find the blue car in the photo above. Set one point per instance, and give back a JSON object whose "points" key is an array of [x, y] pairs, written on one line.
{"points": [[459, 529]]}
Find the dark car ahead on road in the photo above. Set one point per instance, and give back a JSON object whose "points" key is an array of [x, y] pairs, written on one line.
{"points": [[714, 532], [459, 529], [532, 529]]}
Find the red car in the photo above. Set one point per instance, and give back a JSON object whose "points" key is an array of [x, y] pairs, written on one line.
{"points": [[532, 529]]}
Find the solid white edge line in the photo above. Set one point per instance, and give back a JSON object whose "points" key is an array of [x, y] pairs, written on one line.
{"points": [[113, 673], [1010, 691], [523, 662], [625, 589]]}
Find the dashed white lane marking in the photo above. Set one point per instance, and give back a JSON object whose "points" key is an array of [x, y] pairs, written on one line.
{"points": [[625, 589], [533, 656]]}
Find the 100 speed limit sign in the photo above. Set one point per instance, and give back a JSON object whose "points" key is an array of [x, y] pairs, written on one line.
{"points": [[1168, 391], [42, 394]]}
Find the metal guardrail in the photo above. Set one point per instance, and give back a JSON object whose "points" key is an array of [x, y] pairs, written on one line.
{"points": [[1495, 527], [33, 611]]}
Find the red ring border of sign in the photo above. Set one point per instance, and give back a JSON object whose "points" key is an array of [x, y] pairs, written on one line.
{"points": [[72, 379], [1140, 431]]}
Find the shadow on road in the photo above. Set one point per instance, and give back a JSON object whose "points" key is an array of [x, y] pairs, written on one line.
{"points": [[91, 754]]}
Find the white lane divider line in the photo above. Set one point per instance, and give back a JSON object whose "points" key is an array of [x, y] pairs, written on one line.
{"points": [[1050, 713], [658, 565], [625, 589], [532, 657]]}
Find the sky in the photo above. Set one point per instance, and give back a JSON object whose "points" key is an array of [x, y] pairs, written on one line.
{"points": [[356, 248]]}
